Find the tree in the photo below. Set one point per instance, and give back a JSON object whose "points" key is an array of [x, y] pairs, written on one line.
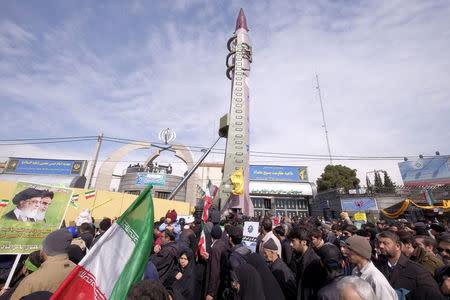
{"points": [[388, 184], [337, 176], [378, 182], [369, 185]]}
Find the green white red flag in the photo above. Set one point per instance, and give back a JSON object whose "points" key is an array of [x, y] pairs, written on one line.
{"points": [[4, 202], [202, 242], [211, 191], [89, 194], [429, 197], [117, 260]]}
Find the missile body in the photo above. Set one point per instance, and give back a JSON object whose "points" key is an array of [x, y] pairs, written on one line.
{"points": [[237, 121]]}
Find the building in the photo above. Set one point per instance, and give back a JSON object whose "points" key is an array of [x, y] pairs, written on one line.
{"points": [[136, 178], [274, 190]]}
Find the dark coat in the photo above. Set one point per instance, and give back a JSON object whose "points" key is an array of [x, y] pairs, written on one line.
{"points": [[12, 216], [311, 275], [251, 285], [272, 289], [187, 237], [184, 288], [407, 274], [329, 290], [285, 278], [216, 269], [165, 260], [287, 255]]}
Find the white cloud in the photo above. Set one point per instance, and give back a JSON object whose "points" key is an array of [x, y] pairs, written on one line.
{"points": [[383, 70]]}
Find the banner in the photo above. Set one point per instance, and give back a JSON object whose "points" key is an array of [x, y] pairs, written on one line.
{"points": [[33, 212], [359, 204], [251, 232], [151, 178], [278, 173], [426, 171], [34, 166]]}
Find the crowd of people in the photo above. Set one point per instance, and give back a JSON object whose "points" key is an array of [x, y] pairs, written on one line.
{"points": [[300, 258]]}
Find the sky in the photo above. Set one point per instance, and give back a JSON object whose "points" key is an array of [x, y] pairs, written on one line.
{"points": [[132, 68]]}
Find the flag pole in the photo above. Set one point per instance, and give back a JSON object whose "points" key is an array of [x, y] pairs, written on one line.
{"points": [[191, 171], [11, 273]]}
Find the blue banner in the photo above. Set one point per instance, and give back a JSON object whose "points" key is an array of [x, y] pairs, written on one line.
{"points": [[45, 166], [151, 178], [426, 171], [278, 173], [359, 204]]}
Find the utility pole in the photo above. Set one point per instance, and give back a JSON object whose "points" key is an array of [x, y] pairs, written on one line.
{"points": [[94, 162], [323, 118]]}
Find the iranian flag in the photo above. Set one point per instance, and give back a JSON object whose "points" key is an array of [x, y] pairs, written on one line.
{"points": [[4, 202], [211, 191], [117, 260], [202, 242], [89, 194], [428, 197], [75, 197]]}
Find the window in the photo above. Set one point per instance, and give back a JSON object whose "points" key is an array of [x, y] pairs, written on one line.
{"points": [[162, 195]]}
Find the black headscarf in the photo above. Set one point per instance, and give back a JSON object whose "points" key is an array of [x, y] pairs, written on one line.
{"points": [[184, 288], [272, 289], [251, 285]]}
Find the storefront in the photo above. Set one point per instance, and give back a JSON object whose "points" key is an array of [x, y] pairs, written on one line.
{"points": [[280, 190]]}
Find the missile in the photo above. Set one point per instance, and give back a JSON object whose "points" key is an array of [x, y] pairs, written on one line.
{"points": [[235, 125]]}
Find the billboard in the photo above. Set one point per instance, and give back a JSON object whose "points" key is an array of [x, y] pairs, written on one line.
{"points": [[151, 178], [278, 173], [426, 171], [35, 166], [32, 212], [359, 204]]}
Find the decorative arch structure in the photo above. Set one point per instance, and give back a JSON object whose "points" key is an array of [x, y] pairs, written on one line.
{"points": [[182, 152], [105, 174]]}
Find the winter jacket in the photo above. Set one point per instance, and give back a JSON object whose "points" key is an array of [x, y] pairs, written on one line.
{"points": [[285, 278], [427, 260], [48, 277], [216, 269], [311, 275], [406, 274], [165, 260]]}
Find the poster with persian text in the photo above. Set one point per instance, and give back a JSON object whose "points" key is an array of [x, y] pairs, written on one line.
{"points": [[32, 212]]}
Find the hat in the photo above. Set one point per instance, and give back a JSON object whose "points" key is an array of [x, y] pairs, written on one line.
{"points": [[84, 217], [25, 195], [190, 219], [360, 246], [437, 227], [57, 242], [172, 215], [419, 224], [216, 232], [270, 244], [330, 255], [324, 225]]}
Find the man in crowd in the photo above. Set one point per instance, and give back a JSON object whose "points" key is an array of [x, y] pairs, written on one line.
{"points": [[400, 271], [444, 247], [354, 288], [55, 268], [217, 265], [238, 250], [349, 230], [329, 236], [166, 258], [359, 254], [46, 200], [266, 227], [310, 274], [280, 270], [331, 260], [316, 239], [104, 226], [286, 251], [27, 204], [427, 243], [419, 255]]}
